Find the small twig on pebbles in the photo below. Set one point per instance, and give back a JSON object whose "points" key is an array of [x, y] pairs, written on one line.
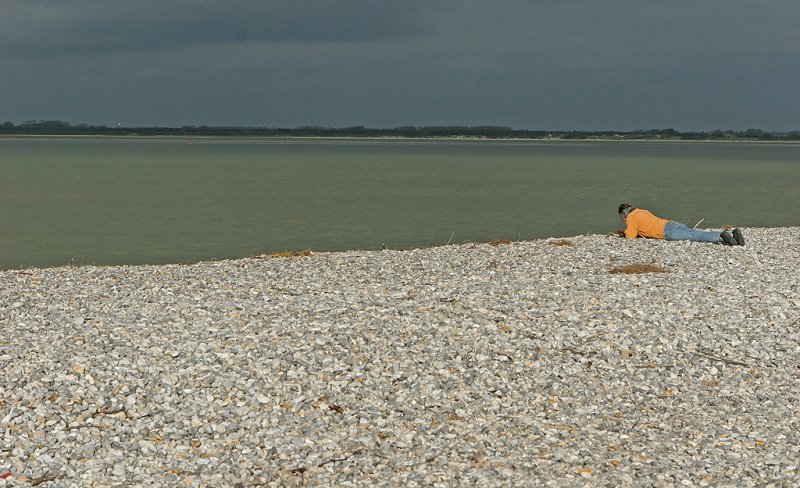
{"points": [[654, 366], [713, 357], [303, 469], [104, 411], [86, 426], [45, 479]]}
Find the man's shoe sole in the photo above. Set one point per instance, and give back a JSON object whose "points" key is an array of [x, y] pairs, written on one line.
{"points": [[737, 234]]}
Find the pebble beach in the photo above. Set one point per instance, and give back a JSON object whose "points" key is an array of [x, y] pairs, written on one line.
{"points": [[533, 363]]}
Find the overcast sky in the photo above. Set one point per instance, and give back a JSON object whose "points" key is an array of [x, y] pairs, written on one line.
{"points": [[528, 64]]}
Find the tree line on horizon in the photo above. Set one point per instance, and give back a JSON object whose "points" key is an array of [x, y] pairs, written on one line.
{"points": [[58, 127]]}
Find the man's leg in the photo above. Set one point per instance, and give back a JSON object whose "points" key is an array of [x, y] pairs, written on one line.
{"points": [[675, 231]]}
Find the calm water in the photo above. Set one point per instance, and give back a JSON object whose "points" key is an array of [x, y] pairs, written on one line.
{"points": [[154, 200]]}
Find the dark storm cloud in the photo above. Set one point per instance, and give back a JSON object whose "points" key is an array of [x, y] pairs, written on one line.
{"points": [[540, 64], [59, 27]]}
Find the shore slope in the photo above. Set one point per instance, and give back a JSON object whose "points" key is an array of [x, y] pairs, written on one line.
{"points": [[522, 364]]}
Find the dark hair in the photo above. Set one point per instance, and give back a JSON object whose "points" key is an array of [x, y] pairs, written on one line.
{"points": [[623, 207]]}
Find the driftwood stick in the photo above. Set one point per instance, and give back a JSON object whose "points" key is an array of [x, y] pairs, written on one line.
{"points": [[303, 469], [714, 357], [45, 479], [105, 411]]}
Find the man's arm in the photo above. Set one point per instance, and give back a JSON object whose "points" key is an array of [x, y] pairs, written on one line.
{"points": [[631, 231]]}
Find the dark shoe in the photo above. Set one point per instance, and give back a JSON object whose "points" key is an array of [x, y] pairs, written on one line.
{"points": [[727, 238], [737, 234]]}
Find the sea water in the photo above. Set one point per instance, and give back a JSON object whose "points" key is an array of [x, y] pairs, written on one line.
{"points": [[134, 200]]}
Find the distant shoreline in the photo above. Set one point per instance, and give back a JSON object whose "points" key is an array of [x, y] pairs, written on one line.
{"points": [[480, 132], [398, 138]]}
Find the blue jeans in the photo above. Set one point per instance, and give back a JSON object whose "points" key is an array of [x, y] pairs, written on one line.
{"points": [[675, 231]]}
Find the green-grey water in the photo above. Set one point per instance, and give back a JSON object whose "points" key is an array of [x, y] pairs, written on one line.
{"points": [[92, 200]]}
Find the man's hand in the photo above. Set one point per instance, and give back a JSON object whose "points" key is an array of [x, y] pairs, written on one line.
{"points": [[616, 233]]}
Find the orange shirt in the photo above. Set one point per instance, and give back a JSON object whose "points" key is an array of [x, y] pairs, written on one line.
{"points": [[640, 222]]}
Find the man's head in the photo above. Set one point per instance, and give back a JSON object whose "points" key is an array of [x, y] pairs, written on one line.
{"points": [[624, 210]]}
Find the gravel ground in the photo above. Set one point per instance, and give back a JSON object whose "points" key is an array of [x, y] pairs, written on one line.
{"points": [[521, 364]]}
